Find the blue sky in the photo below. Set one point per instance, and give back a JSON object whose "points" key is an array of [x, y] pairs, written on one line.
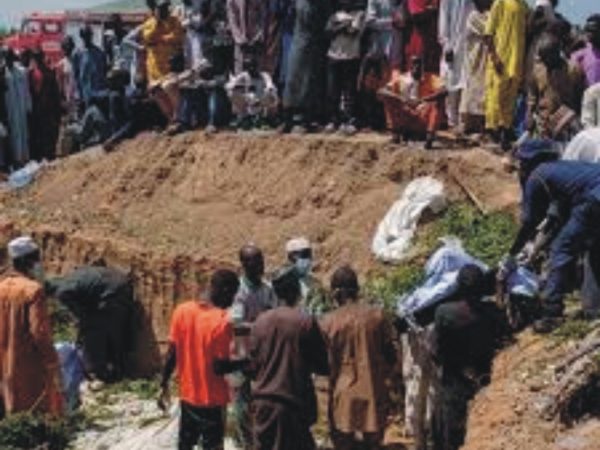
{"points": [[11, 10]]}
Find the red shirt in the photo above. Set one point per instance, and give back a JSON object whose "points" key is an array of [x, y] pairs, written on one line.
{"points": [[201, 333]]}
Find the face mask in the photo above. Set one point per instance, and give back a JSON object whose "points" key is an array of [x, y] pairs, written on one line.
{"points": [[37, 272], [303, 266]]}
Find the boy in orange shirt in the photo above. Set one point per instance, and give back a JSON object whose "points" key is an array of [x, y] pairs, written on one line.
{"points": [[201, 335]]}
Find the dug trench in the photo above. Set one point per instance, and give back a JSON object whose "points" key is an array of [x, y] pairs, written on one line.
{"points": [[171, 210]]}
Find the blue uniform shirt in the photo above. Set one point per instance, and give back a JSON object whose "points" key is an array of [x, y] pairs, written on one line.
{"points": [[568, 183]]}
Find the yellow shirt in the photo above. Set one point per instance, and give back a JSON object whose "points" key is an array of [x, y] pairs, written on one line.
{"points": [[507, 24], [163, 40]]}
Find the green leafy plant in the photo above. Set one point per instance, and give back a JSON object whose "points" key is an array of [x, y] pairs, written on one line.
{"points": [[27, 431]]}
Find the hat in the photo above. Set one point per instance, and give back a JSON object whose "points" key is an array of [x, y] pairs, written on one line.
{"points": [[532, 148], [160, 3], [297, 245], [22, 246]]}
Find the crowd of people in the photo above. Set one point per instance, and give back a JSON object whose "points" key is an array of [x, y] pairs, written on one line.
{"points": [[493, 69], [254, 343]]}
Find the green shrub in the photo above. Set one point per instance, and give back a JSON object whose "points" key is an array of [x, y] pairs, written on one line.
{"points": [[27, 431]]}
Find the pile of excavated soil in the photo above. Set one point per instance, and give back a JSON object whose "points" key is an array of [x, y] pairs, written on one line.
{"points": [[207, 195], [509, 413]]}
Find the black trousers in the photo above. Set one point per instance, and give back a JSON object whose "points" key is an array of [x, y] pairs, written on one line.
{"points": [[341, 89], [278, 426], [201, 424]]}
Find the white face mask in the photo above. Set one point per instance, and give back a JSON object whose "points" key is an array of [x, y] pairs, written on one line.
{"points": [[303, 266], [37, 272]]}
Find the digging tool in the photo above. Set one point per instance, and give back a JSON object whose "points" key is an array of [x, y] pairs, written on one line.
{"points": [[478, 203]]}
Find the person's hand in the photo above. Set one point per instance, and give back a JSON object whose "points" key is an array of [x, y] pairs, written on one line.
{"points": [[507, 265], [164, 398], [498, 65]]}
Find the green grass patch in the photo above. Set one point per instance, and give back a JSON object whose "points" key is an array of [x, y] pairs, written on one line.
{"points": [[572, 330], [28, 431], [64, 325], [144, 389], [486, 237]]}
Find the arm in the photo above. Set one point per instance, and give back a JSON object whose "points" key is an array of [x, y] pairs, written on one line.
{"points": [[535, 206], [169, 367], [223, 364], [164, 398], [133, 39]]}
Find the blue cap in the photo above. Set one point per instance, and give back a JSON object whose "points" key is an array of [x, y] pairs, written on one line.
{"points": [[532, 148]]}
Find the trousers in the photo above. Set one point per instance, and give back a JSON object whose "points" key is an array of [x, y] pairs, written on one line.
{"points": [[201, 424], [581, 233]]}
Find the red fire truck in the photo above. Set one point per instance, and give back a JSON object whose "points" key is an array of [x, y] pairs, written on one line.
{"points": [[46, 30]]}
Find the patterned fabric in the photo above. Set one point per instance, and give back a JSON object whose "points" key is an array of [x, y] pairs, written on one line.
{"points": [[404, 112], [550, 91], [473, 95]]}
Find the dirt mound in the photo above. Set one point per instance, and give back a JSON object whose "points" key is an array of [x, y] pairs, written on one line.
{"points": [[515, 411], [206, 196]]}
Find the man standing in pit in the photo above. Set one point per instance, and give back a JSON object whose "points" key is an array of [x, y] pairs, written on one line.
{"points": [[286, 349], [361, 354], [254, 297], [300, 255], [463, 348], [201, 336], [101, 298], [29, 367]]}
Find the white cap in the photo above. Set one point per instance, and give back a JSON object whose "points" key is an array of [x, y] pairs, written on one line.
{"points": [[297, 245], [547, 3], [21, 246]]}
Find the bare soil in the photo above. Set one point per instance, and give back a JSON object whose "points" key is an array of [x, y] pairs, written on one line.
{"points": [[208, 195]]}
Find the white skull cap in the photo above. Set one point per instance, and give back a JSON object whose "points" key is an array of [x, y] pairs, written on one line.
{"points": [[297, 245], [22, 246]]}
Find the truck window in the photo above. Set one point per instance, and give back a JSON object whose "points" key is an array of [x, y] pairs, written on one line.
{"points": [[52, 27], [32, 27]]}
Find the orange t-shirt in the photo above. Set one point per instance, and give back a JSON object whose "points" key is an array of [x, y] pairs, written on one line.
{"points": [[201, 333]]}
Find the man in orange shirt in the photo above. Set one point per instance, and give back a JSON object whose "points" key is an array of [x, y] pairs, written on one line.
{"points": [[201, 335], [29, 367], [414, 103]]}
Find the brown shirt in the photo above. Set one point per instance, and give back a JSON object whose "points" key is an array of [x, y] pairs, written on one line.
{"points": [[548, 91], [360, 357], [28, 361], [286, 348]]}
